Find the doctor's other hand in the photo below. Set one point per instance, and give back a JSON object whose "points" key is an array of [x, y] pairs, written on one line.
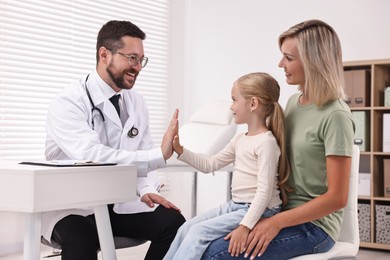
{"points": [[151, 198], [176, 145], [173, 128]]}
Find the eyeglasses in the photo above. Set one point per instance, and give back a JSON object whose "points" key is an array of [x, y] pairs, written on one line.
{"points": [[133, 59]]}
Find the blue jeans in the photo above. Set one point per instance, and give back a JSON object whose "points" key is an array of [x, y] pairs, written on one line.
{"points": [[194, 236], [290, 242]]}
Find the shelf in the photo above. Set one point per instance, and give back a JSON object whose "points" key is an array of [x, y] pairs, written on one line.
{"points": [[381, 199], [360, 109], [386, 109], [380, 153], [375, 245], [369, 80]]}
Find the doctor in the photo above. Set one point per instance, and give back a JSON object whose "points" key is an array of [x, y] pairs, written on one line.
{"points": [[84, 124]]}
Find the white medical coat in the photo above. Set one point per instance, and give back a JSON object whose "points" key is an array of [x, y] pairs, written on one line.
{"points": [[70, 137]]}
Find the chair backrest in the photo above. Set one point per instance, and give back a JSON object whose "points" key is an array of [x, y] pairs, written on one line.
{"points": [[209, 129], [350, 227]]}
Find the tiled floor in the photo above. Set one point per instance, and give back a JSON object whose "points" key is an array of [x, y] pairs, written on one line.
{"points": [[138, 253]]}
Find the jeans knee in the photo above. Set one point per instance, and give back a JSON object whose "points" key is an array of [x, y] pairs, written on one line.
{"points": [[197, 231]]}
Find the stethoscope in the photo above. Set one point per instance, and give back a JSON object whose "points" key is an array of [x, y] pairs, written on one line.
{"points": [[133, 132]]}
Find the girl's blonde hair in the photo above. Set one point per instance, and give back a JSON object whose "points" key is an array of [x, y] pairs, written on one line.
{"points": [[320, 51], [266, 89]]}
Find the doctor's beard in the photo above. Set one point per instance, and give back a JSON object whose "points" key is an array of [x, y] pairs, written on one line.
{"points": [[118, 78]]}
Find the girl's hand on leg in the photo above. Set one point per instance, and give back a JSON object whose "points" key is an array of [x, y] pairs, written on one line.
{"points": [[238, 238]]}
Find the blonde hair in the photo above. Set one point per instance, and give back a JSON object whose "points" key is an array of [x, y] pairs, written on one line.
{"points": [[266, 89], [320, 51]]}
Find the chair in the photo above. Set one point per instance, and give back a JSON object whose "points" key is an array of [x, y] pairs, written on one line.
{"points": [[347, 246], [120, 242]]}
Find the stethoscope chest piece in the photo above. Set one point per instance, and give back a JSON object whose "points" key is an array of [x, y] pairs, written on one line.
{"points": [[133, 132]]}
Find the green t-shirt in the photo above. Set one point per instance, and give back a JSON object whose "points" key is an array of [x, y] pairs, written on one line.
{"points": [[312, 134]]}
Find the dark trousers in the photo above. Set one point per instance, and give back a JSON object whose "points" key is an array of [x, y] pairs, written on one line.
{"points": [[79, 239]]}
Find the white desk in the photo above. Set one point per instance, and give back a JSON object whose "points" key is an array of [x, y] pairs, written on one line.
{"points": [[36, 189]]}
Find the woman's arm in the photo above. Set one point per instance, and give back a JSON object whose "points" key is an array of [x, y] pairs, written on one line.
{"points": [[338, 172]]}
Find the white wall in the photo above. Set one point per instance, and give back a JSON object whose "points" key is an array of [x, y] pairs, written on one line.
{"points": [[229, 38]]}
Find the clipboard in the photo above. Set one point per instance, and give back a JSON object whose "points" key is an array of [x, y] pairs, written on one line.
{"points": [[67, 163]]}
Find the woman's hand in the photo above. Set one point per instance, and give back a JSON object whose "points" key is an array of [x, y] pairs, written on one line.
{"points": [[238, 238], [260, 236]]}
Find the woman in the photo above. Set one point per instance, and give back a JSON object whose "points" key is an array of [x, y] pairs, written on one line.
{"points": [[320, 133]]}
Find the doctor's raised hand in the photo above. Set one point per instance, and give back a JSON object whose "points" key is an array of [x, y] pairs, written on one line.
{"points": [[166, 143]]}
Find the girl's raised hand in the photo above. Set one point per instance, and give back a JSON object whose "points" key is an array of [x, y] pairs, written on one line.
{"points": [[176, 145]]}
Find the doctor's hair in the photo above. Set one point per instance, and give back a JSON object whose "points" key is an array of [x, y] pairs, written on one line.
{"points": [[267, 90], [110, 35], [320, 52]]}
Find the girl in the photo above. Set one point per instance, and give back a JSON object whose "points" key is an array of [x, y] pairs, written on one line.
{"points": [[260, 168]]}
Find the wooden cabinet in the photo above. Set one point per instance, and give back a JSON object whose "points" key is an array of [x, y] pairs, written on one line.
{"points": [[377, 75]]}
